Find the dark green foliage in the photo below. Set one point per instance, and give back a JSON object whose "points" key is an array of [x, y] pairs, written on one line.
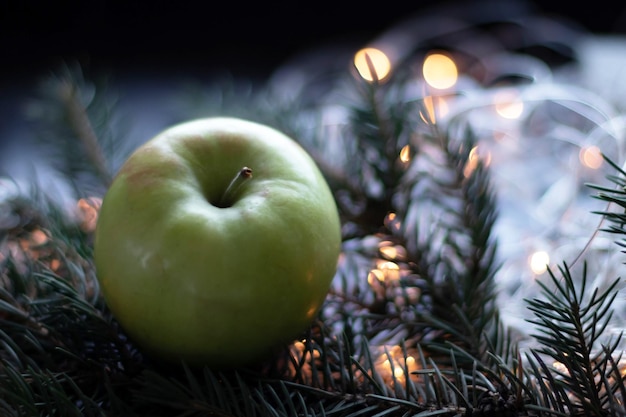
{"points": [[571, 323], [75, 125], [616, 198]]}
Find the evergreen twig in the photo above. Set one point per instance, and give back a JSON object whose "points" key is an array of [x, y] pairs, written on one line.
{"points": [[571, 321], [76, 126]]}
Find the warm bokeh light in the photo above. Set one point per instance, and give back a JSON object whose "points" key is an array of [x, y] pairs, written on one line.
{"points": [[375, 276], [560, 366], [37, 238], [303, 354], [539, 262], [55, 264], [405, 154], [391, 222], [434, 109], [88, 209], [41, 246], [372, 64], [440, 71], [407, 296], [300, 346], [475, 157], [391, 251], [394, 365], [33, 245], [591, 157], [390, 270], [508, 104]]}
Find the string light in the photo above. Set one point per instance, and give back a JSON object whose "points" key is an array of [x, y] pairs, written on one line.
{"points": [[508, 104], [375, 276], [391, 222], [35, 239], [434, 108], [303, 355], [389, 271], [372, 64], [405, 154], [394, 364], [591, 157], [88, 209], [440, 71], [539, 262], [474, 159], [391, 252]]}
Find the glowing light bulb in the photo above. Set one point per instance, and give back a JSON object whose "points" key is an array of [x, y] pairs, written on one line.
{"points": [[434, 108], [55, 264], [372, 64], [440, 71], [88, 209], [508, 105], [389, 252], [560, 366], [38, 237], [405, 154], [473, 159], [299, 346], [591, 157], [375, 276], [390, 270], [410, 362], [391, 222], [539, 262]]}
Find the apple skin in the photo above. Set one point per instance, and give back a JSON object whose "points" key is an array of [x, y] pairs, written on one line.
{"points": [[191, 281]]}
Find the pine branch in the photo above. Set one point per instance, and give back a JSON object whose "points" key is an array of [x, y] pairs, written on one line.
{"points": [[570, 322], [448, 214], [57, 341], [615, 197], [81, 125], [75, 126]]}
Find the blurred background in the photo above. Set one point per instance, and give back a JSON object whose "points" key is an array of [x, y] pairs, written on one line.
{"points": [[244, 38], [150, 52]]}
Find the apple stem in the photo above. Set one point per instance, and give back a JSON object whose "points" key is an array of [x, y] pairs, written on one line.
{"points": [[242, 176]]}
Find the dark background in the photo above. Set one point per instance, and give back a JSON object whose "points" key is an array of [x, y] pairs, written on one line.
{"points": [[243, 38], [142, 44]]}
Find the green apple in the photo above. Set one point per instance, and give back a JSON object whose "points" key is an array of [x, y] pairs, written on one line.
{"points": [[216, 242]]}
